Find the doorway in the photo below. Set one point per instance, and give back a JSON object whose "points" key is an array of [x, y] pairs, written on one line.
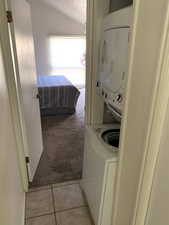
{"points": [[60, 62]]}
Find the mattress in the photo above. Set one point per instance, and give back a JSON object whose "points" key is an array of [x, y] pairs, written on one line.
{"points": [[57, 95]]}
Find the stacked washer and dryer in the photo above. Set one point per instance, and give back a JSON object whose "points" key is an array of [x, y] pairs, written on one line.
{"points": [[102, 141]]}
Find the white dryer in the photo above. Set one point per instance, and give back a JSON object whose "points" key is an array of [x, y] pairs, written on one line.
{"points": [[113, 60]]}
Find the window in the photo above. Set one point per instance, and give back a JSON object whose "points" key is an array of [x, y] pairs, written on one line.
{"points": [[67, 57]]}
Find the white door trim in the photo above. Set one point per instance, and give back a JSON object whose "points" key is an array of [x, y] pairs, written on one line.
{"points": [[89, 60], [13, 96], [96, 10]]}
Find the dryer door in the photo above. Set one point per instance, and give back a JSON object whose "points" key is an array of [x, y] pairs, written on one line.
{"points": [[114, 59]]}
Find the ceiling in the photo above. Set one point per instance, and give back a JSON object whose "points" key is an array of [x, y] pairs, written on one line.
{"points": [[75, 9]]}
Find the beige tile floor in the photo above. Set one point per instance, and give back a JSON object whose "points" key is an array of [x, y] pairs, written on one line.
{"points": [[57, 204]]}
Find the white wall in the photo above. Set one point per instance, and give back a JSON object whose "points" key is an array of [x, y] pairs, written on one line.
{"points": [[12, 197], [47, 20]]}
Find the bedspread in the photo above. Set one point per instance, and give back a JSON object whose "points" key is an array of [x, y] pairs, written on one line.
{"points": [[57, 95]]}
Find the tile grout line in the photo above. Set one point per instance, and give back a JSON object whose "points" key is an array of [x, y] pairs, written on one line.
{"points": [[53, 200], [46, 214], [47, 188], [65, 210], [63, 185], [52, 185], [59, 211]]}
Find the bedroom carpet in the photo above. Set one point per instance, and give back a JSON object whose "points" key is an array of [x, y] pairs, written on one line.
{"points": [[63, 139]]}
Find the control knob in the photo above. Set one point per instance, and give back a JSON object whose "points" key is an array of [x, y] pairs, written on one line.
{"points": [[119, 98]]}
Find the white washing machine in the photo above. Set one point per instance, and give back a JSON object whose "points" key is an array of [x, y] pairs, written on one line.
{"points": [[99, 170]]}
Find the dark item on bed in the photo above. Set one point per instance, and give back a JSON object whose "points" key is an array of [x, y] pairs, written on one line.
{"points": [[57, 95]]}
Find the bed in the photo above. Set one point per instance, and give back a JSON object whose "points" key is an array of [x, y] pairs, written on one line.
{"points": [[57, 95]]}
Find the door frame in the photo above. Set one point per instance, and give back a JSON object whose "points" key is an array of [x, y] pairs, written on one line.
{"points": [[89, 61], [96, 11], [15, 103], [160, 110], [15, 95]]}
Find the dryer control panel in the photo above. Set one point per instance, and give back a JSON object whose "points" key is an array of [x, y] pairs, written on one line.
{"points": [[114, 101]]}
